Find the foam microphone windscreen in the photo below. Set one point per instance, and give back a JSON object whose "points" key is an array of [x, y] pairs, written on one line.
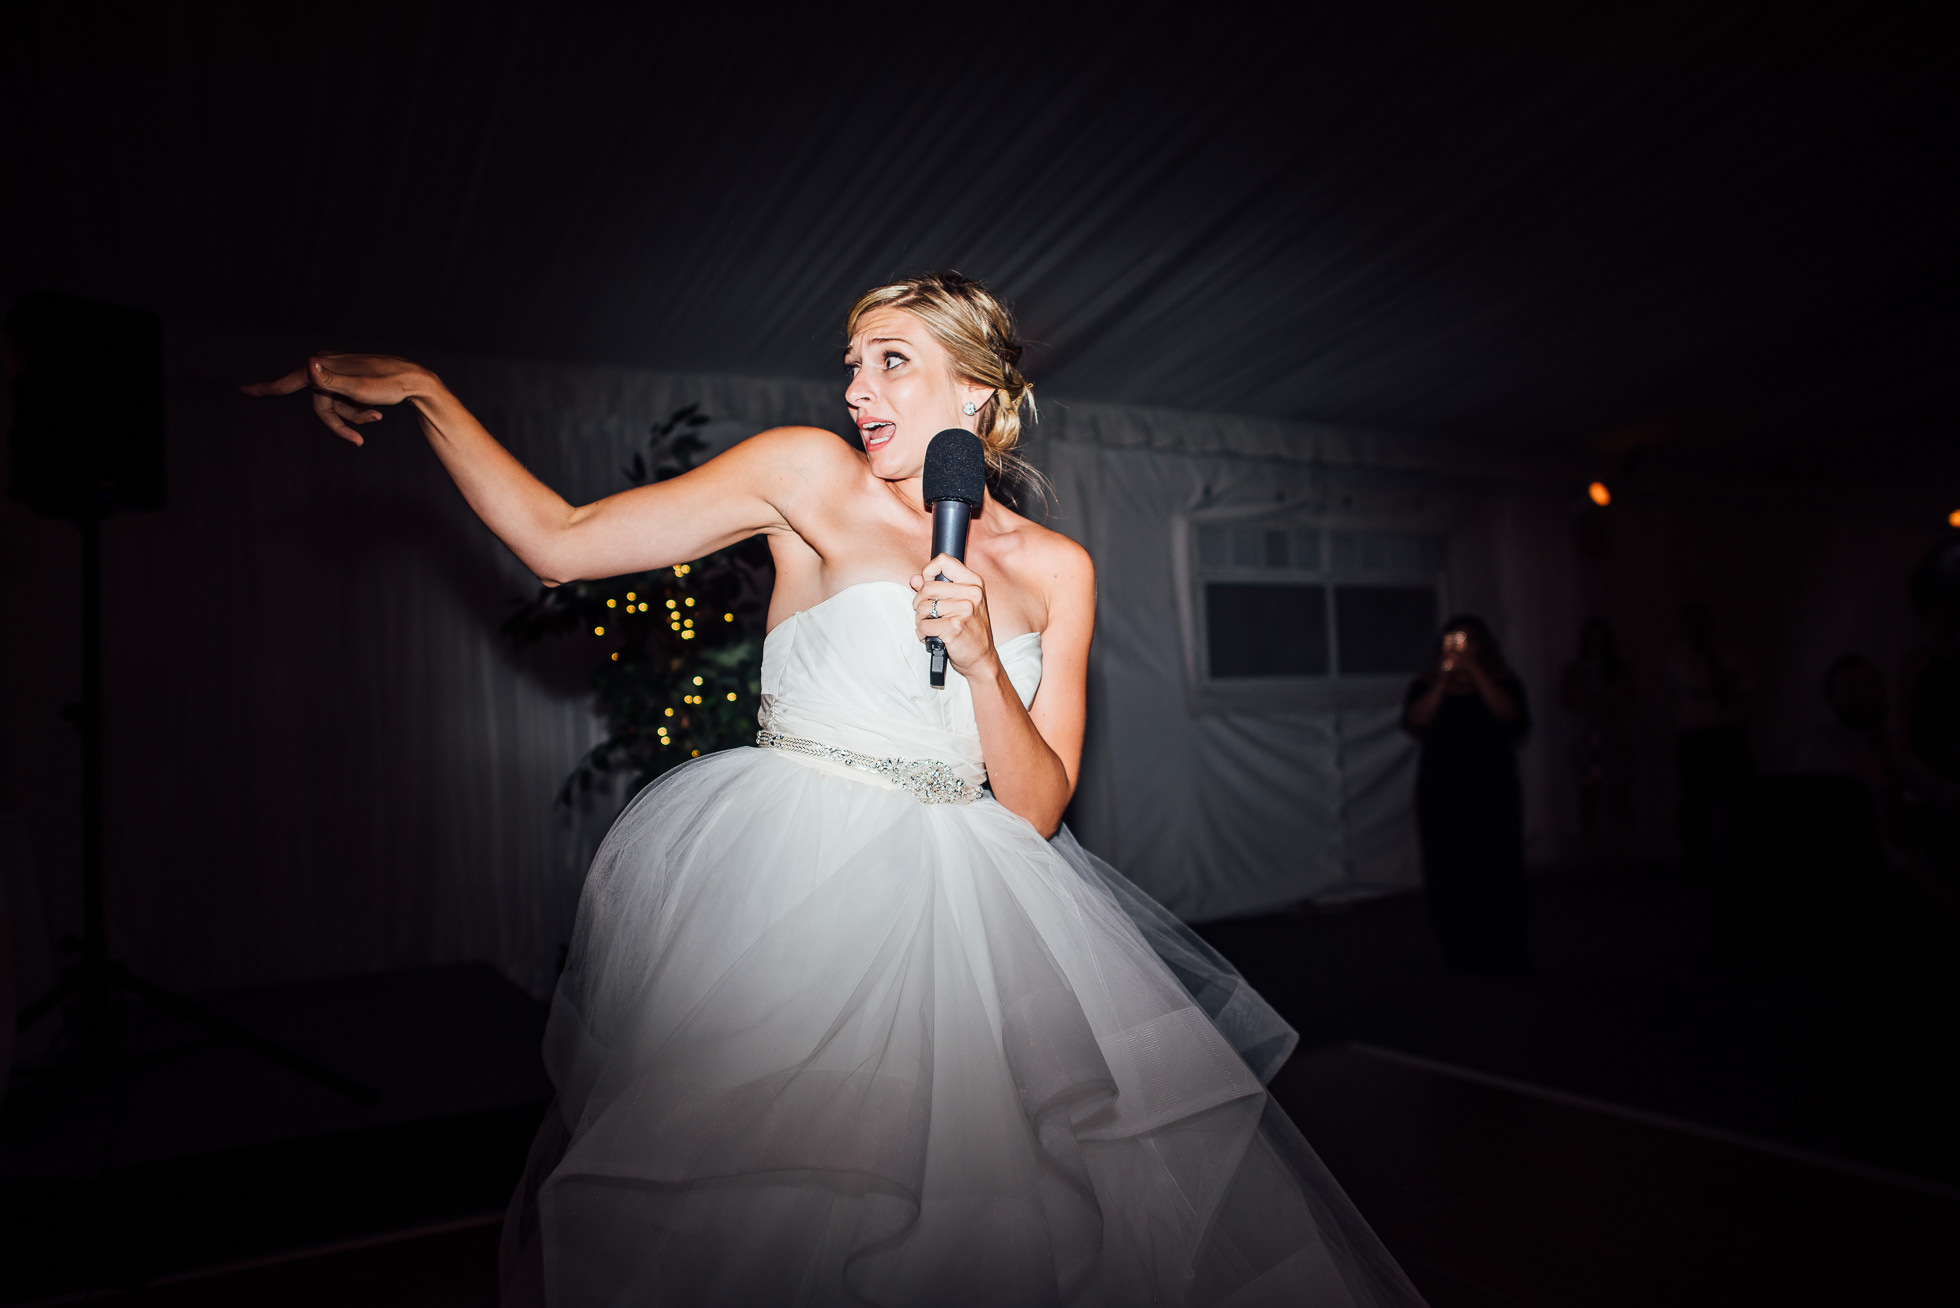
{"points": [[956, 468]]}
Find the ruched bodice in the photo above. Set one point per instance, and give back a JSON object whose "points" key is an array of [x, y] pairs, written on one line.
{"points": [[851, 672]]}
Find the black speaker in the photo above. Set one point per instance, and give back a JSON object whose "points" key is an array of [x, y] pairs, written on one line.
{"points": [[87, 383]]}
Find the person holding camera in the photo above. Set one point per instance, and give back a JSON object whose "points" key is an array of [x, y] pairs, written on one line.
{"points": [[1470, 715]]}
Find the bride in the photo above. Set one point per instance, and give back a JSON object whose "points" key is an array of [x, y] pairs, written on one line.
{"points": [[834, 1031]]}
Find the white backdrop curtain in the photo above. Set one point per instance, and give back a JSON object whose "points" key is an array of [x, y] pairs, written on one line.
{"points": [[1227, 812], [322, 757], [324, 760]]}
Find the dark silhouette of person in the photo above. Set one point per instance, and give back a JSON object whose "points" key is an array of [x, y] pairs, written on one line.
{"points": [[1470, 713], [1597, 690], [1853, 744], [1711, 740], [1931, 680]]}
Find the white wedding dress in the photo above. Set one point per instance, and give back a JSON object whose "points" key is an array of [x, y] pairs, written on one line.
{"points": [[821, 1041]]}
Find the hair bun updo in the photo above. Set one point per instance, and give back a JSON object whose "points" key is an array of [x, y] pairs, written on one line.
{"points": [[978, 332]]}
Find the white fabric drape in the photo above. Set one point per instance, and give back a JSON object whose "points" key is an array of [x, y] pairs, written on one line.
{"points": [[1224, 812], [324, 760]]}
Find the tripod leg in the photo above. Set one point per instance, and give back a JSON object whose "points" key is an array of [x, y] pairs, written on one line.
{"points": [[47, 1003], [237, 1034]]}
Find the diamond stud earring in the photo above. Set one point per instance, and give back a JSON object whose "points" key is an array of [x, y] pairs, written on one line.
{"points": [[968, 410]]}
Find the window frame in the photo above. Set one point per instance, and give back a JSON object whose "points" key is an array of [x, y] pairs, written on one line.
{"points": [[1335, 690]]}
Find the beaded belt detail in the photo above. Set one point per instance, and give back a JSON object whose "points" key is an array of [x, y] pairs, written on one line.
{"points": [[926, 780]]}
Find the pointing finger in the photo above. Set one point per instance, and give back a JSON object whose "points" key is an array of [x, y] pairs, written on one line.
{"points": [[292, 381]]}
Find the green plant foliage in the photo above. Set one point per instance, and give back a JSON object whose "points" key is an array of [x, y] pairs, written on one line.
{"points": [[678, 651]]}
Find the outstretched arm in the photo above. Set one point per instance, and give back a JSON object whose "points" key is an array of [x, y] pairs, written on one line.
{"points": [[751, 488]]}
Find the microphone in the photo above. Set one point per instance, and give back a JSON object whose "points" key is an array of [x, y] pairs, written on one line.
{"points": [[955, 486]]}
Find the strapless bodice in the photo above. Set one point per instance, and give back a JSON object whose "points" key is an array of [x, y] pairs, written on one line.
{"points": [[851, 672]]}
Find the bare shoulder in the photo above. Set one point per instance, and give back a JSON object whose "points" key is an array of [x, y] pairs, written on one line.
{"points": [[810, 449], [1055, 568], [1064, 565], [793, 468]]}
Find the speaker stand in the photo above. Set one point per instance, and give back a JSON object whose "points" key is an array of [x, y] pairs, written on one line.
{"points": [[89, 983]]}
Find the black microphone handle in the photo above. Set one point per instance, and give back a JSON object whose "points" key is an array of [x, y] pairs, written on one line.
{"points": [[949, 524], [950, 519]]}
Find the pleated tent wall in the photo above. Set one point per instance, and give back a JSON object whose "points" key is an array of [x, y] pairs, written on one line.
{"points": [[1262, 800], [324, 760]]}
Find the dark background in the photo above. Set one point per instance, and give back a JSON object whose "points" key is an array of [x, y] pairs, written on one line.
{"points": [[1706, 247], [1677, 224]]}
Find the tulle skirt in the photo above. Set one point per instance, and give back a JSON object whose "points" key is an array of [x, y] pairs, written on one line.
{"points": [[819, 1043]]}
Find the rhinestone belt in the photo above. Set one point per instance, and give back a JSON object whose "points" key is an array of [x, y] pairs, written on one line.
{"points": [[926, 780]]}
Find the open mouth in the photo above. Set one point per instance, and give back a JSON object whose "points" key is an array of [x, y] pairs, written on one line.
{"points": [[876, 433]]}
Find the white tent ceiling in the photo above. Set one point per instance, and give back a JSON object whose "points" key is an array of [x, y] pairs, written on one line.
{"points": [[1709, 220]]}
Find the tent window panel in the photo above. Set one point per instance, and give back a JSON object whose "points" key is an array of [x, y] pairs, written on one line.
{"points": [[1257, 630], [1387, 552], [1385, 629], [1248, 547], [1214, 546]]}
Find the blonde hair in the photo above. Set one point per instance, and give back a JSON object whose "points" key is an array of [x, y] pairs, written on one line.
{"points": [[977, 330]]}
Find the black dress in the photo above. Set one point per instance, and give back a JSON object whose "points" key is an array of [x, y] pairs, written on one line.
{"points": [[1470, 817]]}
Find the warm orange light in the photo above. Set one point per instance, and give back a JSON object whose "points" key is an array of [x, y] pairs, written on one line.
{"points": [[1953, 518], [1598, 494]]}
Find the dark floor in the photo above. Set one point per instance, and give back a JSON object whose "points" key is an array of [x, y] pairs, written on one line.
{"points": [[1454, 1110], [1627, 1002], [193, 1153], [1492, 1195]]}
